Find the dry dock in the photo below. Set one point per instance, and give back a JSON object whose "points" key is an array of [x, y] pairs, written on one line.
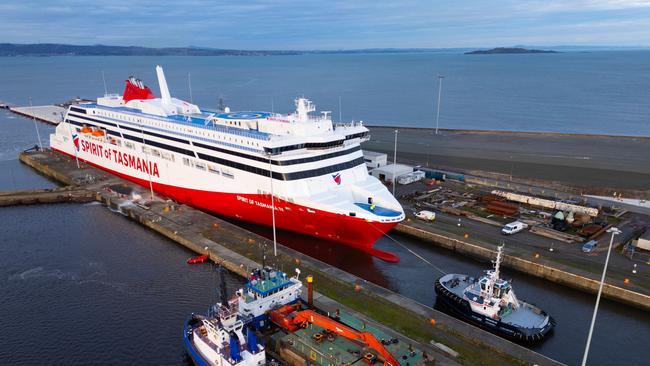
{"points": [[239, 250]]}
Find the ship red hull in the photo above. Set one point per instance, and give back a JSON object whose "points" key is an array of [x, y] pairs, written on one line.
{"points": [[255, 208]]}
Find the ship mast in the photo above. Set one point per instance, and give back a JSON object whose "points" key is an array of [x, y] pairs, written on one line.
{"points": [[497, 264]]}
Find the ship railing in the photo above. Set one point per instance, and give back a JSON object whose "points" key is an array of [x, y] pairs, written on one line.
{"points": [[225, 129], [348, 124]]}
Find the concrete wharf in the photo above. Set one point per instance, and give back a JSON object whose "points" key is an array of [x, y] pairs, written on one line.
{"points": [[40, 196], [51, 114], [239, 250]]}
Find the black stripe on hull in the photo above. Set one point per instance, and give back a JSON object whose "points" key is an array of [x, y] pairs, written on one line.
{"points": [[226, 151], [236, 165]]}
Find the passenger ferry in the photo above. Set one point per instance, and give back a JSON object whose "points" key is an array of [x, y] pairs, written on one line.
{"points": [[238, 164]]}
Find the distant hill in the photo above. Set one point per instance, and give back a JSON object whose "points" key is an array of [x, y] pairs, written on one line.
{"points": [[507, 50], [55, 49]]}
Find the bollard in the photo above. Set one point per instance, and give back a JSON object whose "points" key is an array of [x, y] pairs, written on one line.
{"points": [[310, 291]]}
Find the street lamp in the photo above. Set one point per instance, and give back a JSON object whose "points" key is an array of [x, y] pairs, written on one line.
{"points": [[40, 144], [394, 163], [275, 246], [613, 231], [440, 77]]}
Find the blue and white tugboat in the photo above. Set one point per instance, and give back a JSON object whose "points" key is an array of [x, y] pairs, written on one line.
{"points": [[218, 339], [267, 289], [226, 335], [490, 303]]}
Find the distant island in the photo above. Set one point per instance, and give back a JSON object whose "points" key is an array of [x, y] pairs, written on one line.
{"points": [[507, 50], [56, 49]]}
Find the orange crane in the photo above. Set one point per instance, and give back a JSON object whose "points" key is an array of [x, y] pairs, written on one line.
{"points": [[289, 318]]}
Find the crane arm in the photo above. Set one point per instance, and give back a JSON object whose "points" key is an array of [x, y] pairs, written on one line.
{"points": [[282, 317]]}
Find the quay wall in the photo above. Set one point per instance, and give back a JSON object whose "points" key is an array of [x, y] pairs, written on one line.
{"points": [[41, 196], [589, 285]]}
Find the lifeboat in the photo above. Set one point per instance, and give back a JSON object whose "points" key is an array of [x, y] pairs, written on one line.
{"points": [[98, 133], [198, 259], [86, 129]]}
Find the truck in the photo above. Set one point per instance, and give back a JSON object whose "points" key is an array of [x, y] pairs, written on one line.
{"points": [[513, 228]]}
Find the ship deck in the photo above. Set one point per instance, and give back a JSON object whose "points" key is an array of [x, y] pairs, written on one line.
{"points": [[338, 350], [380, 211], [198, 120], [526, 316]]}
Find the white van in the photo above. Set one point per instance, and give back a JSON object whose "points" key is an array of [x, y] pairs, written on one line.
{"points": [[426, 215], [513, 228]]}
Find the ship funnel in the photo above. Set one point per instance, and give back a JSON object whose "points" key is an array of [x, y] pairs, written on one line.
{"points": [[235, 354], [251, 342], [164, 90]]}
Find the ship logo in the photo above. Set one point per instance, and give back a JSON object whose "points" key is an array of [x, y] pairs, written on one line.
{"points": [[75, 141], [337, 178]]}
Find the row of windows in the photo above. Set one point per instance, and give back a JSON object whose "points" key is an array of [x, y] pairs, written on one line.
{"points": [[285, 176], [202, 166], [243, 155], [307, 145], [167, 126], [244, 167]]}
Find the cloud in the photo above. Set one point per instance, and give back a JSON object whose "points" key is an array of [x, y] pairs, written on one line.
{"points": [[286, 24]]}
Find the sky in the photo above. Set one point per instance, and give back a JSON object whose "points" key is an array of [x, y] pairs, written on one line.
{"points": [[327, 24]]}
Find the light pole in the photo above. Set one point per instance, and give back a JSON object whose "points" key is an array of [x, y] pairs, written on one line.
{"points": [[613, 231], [394, 163], [38, 134], [440, 77], [146, 154], [275, 246]]}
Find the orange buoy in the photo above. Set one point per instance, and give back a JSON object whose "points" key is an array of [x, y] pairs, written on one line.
{"points": [[432, 321], [86, 129], [626, 281]]}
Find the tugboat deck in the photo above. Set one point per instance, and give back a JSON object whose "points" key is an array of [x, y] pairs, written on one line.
{"points": [[526, 316]]}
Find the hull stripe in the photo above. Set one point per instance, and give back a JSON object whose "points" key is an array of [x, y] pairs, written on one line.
{"points": [[240, 166], [226, 151]]}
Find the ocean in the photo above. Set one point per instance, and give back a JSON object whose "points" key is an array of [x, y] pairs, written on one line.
{"points": [[605, 92]]}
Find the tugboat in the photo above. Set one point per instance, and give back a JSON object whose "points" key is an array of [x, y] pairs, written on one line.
{"points": [[490, 303], [218, 338], [267, 289]]}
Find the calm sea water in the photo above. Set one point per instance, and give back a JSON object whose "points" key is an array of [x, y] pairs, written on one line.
{"points": [[76, 292], [597, 92]]}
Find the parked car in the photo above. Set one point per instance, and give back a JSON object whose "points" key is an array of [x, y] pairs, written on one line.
{"points": [[426, 215], [513, 228], [590, 246]]}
